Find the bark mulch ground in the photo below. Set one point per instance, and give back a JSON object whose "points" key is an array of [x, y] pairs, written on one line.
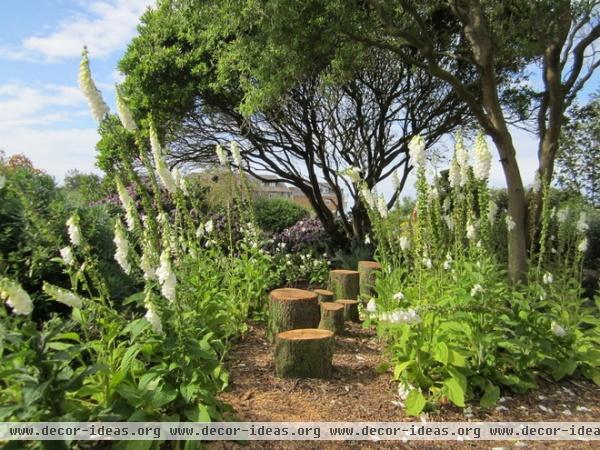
{"points": [[358, 392]]}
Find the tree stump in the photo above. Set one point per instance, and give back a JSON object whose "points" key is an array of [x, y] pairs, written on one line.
{"points": [[344, 283], [350, 309], [305, 353], [367, 271], [323, 295], [290, 309], [332, 317]]}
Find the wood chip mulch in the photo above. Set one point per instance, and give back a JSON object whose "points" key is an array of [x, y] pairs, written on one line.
{"points": [[357, 392]]}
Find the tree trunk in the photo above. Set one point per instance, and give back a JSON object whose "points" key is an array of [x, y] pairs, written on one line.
{"points": [[344, 283], [304, 353], [291, 309], [332, 317], [367, 271]]}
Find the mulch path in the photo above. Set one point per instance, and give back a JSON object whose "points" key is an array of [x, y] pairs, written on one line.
{"points": [[356, 393]]}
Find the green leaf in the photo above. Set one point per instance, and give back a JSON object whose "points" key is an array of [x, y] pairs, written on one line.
{"points": [[129, 357], [564, 368], [401, 368], [490, 396], [382, 368], [136, 327], [456, 393], [457, 359], [415, 402], [441, 353]]}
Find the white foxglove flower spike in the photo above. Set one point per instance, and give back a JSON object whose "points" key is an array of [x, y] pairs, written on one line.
{"points": [[63, 295], [124, 113], [128, 205], [90, 91], [15, 297], [162, 170], [74, 230], [483, 158], [122, 244], [416, 151]]}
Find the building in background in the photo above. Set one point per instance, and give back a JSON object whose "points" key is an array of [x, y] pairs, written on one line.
{"points": [[278, 189]]}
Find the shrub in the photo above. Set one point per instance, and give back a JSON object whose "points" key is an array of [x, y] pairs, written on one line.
{"points": [[277, 214]]}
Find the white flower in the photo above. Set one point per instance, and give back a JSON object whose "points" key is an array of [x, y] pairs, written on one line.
{"points": [[2, 181], [398, 296], [353, 173], [124, 113], [510, 223], [562, 215], [446, 204], [483, 158], [454, 173], [492, 211], [151, 316], [15, 296], [557, 329], [128, 205], [235, 153], [547, 278], [433, 193], [122, 244], [462, 157], [416, 151], [371, 306], [73, 230], [367, 239], [221, 155], [209, 226], [66, 254], [382, 207], [89, 89], [396, 179], [583, 245], [476, 289], [146, 263], [471, 234], [63, 296], [449, 222], [582, 225], [166, 277], [368, 197], [404, 243], [200, 231], [399, 316], [448, 262], [427, 263], [162, 170]]}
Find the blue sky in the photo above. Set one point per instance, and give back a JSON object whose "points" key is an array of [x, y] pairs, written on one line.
{"points": [[42, 112]]}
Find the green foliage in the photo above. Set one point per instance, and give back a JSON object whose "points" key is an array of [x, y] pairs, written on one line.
{"points": [[457, 329], [577, 162], [277, 214]]}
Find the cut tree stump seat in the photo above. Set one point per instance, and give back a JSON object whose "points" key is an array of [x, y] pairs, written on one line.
{"points": [[290, 309], [332, 317], [344, 283], [367, 271], [324, 295], [350, 309], [304, 353]]}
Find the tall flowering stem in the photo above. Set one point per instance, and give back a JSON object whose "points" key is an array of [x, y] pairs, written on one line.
{"points": [[90, 91]]}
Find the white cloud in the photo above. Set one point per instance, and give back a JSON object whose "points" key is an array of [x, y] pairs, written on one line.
{"points": [[104, 26], [21, 104], [44, 123], [54, 151]]}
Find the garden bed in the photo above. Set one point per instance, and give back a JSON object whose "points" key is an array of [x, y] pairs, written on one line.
{"points": [[357, 392]]}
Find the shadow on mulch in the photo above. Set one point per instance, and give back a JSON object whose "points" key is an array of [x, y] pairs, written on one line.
{"points": [[358, 393]]}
